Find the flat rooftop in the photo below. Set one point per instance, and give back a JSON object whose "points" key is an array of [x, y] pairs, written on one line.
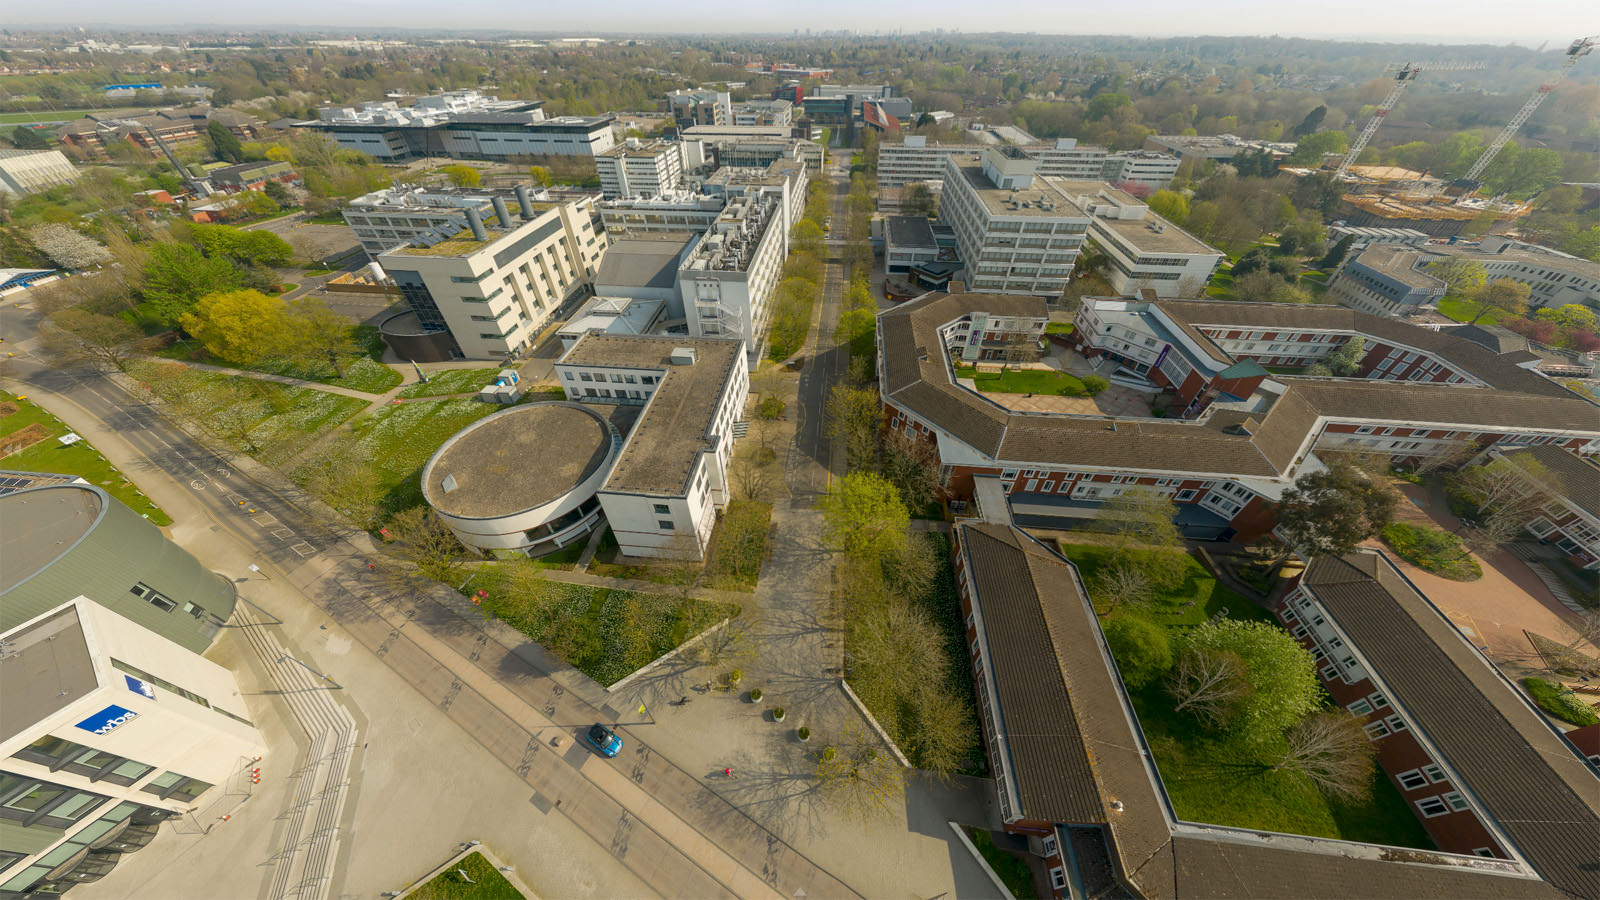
{"points": [[1398, 263], [1144, 235], [997, 200], [518, 459], [46, 666], [41, 524], [675, 426], [647, 259], [911, 231]]}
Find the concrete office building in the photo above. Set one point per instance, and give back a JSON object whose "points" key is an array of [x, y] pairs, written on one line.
{"points": [[485, 292], [645, 266], [914, 159], [675, 211], [1555, 278], [1143, 250], [392, 217], [755, 146], [908, 241], [700, 107], [523, 480], [1018, 233], [1220, 147], [763, 112], [1143, 167], [637, 168], [728, 279], [671, 475], [69, 539], [106, 729], [463, 125], [30, 171], [613, 315], [785, 176], [1385, 280]]}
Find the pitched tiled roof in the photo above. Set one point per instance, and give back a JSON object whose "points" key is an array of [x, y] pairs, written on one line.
{"points": [[1577, 478], [1541, 794], [1074, 750]]}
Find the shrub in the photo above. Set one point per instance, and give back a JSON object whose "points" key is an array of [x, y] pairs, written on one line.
{"points": [[803, 733], [1140, 647], [770, 408], [755, 694], [1560, 702], [1432, 550], [828, 754], [777, 714], [735, 676], [1094, 384]]}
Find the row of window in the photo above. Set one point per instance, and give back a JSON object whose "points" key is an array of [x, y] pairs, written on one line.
{"points": [[166, 685]]}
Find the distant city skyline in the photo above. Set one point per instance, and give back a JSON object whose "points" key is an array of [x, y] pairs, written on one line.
{"points": [[1429, 21]]}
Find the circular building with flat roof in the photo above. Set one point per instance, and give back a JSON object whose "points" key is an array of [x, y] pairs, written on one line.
{"points": [[524, 479]]}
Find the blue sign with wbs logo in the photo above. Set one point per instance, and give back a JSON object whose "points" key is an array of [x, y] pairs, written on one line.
{"points": [[141, 687], [107, 720]]}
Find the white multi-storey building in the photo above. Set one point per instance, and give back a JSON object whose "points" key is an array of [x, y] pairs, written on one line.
{"points": [[1144, 167], [464, 125], [1018, 233], [675, 211], [493, 286], [639, 169], [1385, 280], [1554, 278], [671, 475], [392, 217], [1142, 249], [700, 107], [763, 112], [109, 729], [914, 159], [727, 282]]}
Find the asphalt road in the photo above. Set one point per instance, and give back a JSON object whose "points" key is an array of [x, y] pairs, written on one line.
{"points": [[826, 365], [661, 822]]}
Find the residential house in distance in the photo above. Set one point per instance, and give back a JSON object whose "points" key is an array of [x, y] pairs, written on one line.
{"points": [[485, 292], [30, 171], [463, 125], [701, 107], [671, 474], [1019, 233], [1386, 280], [251, 176]]}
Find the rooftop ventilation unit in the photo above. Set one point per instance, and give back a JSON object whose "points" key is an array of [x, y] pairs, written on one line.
{"points": [[683, 356]]}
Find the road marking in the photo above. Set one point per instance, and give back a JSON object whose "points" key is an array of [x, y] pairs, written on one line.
{"points": [[197, 484], [283, 534], [303, 548]]}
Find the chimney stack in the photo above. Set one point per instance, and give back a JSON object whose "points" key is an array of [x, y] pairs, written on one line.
{"points": [[525, 200], [475, 222], [501, 213]]}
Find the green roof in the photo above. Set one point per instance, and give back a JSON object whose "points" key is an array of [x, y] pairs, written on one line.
{"points": [[1244, 368]]}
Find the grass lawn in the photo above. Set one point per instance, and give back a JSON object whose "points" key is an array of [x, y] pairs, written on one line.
{"points": [[487, 883], [80, 459], [451, 381], [1011, 868], [603, 633], [1285, 370], [1024, 381], [362, 370], [272, 422], [65, 115], [1058, 328], [1463, 311], [1560, 702], [1214, 781], [398, 439], [1199, 597], [1432, 549]]}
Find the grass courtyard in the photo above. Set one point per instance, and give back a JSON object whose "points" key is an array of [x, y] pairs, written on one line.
{"points": [[1464, 310], [1024, 381], [486, 883], [1216, 777], [47, 454], [451, 381]]}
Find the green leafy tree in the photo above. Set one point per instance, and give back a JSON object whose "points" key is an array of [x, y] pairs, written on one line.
{"points": [[918, 201], [1311, 122], [257, 247], [420, 538], [1502, 294], [1339, 251], [1144, 535], [1141, 648], [1170, 205], [241, 326], [1345, 360], [1330, 512], [1104, 105], [1282, 675], [1569, 317], [862, 513], [463, 176], [1312, 148], [540, 175], [1462, 277], [320, 335], [29, 138], [224, 143], [78, 335], [177, 275]]}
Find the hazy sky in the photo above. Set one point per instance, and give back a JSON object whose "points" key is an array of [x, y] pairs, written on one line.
{"points": [[1457, 21]]}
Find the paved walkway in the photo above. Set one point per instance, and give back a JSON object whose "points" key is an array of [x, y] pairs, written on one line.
{"points": [[268, 376]]}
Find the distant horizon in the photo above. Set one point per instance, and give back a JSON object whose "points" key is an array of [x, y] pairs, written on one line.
{"points": [[1554, 22]]}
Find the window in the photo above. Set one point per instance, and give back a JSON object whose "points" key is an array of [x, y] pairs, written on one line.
{"points": [[148, 594], [1431, 807], [1184, 495], [662, 510], [1375, 730], [1411, 780], [170, 785], [1395, 723], [1048, 845], [1360, 707], [665, 525], [1378, 700], [1434, 773], [1455, 801], [1483, 851], [1058, 878]]}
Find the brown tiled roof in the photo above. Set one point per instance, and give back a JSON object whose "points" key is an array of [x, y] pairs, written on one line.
{"points": [[1074, 749], [917, 377], [1534, 785], [1578, 478]]}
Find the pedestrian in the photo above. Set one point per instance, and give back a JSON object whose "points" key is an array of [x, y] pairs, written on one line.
{"points": [[727, 773]]}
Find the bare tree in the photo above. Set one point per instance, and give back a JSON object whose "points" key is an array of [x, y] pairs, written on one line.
{"points": [[342, 480], [77, 336], [1331, 749], [1447, 455], [1122, 584], [860, 777], [912, 466], [1511, 487], [418, 536], [754, 476], [1209, 684], [1021, 347]]}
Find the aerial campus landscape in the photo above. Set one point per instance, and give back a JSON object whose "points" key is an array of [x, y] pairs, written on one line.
{"points": [[832, 452]]}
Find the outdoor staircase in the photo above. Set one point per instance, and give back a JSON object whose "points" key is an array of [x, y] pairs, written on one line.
{"points": [[1551, 580]]}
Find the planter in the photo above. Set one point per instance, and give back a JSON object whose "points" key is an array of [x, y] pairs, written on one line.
{"points": [[777, 714], [755, 695], [735, 676], [803, 733]]}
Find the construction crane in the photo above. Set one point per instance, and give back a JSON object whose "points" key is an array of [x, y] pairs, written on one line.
{"points": [[1402, 80], [1579, 49]]}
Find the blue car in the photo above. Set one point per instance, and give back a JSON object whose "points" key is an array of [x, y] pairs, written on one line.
{"points": [[603, 740]]}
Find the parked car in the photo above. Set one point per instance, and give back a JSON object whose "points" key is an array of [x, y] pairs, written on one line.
{"points": [[604, 741]]}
